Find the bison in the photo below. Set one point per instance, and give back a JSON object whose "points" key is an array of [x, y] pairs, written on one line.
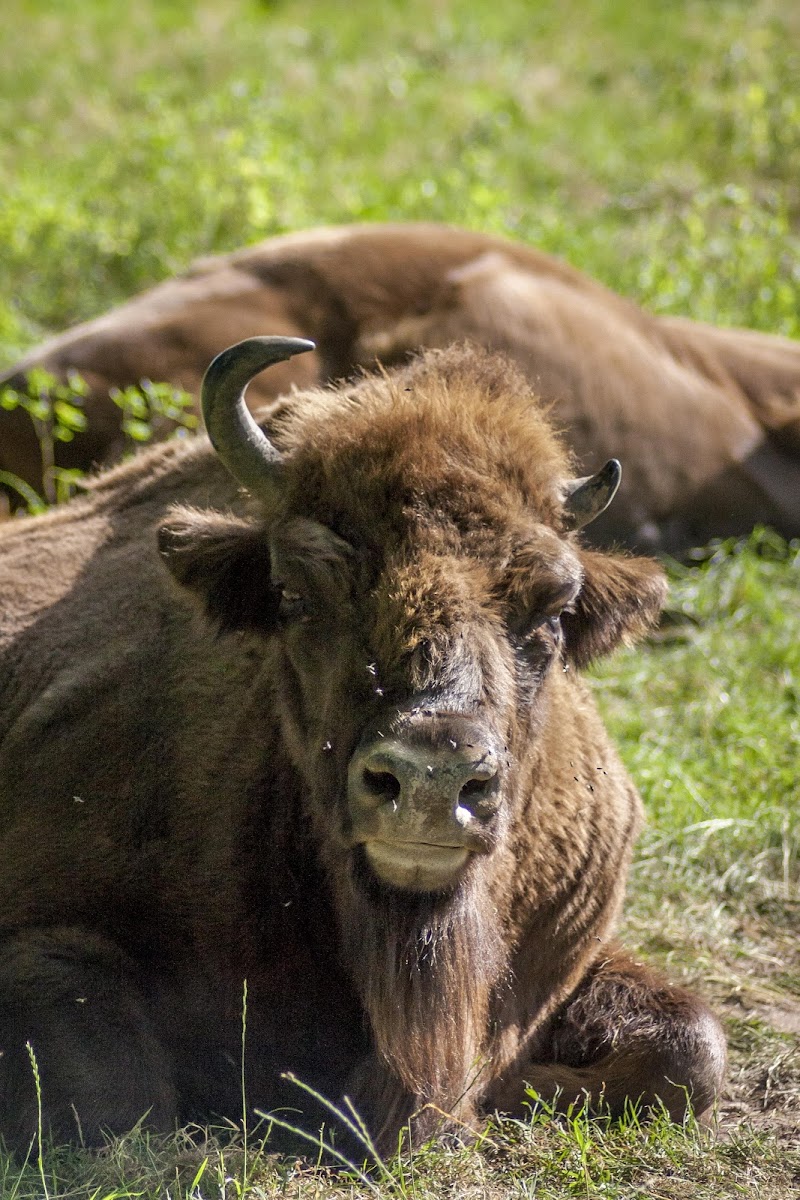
{"points": [[708, 420], [306, 713]]}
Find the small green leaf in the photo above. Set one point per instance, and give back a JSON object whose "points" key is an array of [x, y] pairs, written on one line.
{"points": [[40, 410], [131, 402], [69, 416], [40, 380], [77, 384], [139, 431]]}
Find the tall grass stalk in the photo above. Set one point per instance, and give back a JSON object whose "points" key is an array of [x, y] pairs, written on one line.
{"points": [[39, 1138], [245, 1164]]}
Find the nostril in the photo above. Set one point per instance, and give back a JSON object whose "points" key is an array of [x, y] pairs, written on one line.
{"points": [[480, 797], [381, 785], [476, 788]]}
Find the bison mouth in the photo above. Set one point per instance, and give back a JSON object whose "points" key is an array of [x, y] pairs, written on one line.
{"points": [[416, 866]]}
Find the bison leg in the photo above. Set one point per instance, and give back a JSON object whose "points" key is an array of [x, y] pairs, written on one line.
{"points": [[70, 995], [626, 1037]]}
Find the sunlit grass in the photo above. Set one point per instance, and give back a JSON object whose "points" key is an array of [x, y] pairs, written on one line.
{"points": [[539, 1158]]}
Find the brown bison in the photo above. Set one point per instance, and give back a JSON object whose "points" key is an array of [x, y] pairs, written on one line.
{"points": [[326, 736], [707, 420]]}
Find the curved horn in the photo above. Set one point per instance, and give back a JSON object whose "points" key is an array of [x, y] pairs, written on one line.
{"points": [[586, 498], [245, 449]]}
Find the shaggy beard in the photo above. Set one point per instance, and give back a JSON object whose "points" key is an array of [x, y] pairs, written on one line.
{"points": [[425, 967]]}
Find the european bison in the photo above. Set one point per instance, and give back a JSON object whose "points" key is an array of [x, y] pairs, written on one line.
{"points": [[707, 420], [326, 736]]}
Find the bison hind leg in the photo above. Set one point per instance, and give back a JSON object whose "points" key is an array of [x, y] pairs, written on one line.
{"points": [[626, 1038], [70, 996]]}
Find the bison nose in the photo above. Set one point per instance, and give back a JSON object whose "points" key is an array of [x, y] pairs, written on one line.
{"points": [[425, 792], [389, 774]]}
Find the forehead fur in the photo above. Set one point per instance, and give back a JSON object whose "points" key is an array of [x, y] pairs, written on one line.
{"points": [[457, 431]]}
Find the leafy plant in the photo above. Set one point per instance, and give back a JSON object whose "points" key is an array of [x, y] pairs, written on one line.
{"points": [[55, 410], [56, 413], [146, 407]]}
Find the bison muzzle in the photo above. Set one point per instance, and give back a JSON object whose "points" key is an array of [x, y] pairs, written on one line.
{"points": [[306, 713]]}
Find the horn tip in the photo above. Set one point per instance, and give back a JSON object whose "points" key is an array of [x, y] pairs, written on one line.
{"points": [[613, 469], [288, 346]]}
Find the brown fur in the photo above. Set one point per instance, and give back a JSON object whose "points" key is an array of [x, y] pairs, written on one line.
{"points": [[707, 420], [179, 801]]}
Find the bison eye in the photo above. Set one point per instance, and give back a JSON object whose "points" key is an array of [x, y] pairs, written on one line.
{"points": [[525, 629], [292, 606]]}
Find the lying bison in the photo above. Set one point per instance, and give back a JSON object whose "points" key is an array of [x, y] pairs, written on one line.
{"points": [[325, 736], [708, 420]]}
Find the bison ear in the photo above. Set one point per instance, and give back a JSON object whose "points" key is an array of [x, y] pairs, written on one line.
{"points": [[619, 601], [224, 563]]}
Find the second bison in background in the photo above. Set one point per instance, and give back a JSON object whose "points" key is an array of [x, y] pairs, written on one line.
{"points": [[327, 738], [707, 420]]}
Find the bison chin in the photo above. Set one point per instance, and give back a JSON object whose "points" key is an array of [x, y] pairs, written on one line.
{"points": [[416, 866], [393, 875], [426, 964]]}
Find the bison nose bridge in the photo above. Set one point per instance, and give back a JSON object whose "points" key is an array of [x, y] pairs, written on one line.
{"points": [[425, 784]]}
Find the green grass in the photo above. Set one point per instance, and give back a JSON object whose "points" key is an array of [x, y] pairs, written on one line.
{"points": [[658, 148], [715, 750], [660, 151], [537, 1158]]}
